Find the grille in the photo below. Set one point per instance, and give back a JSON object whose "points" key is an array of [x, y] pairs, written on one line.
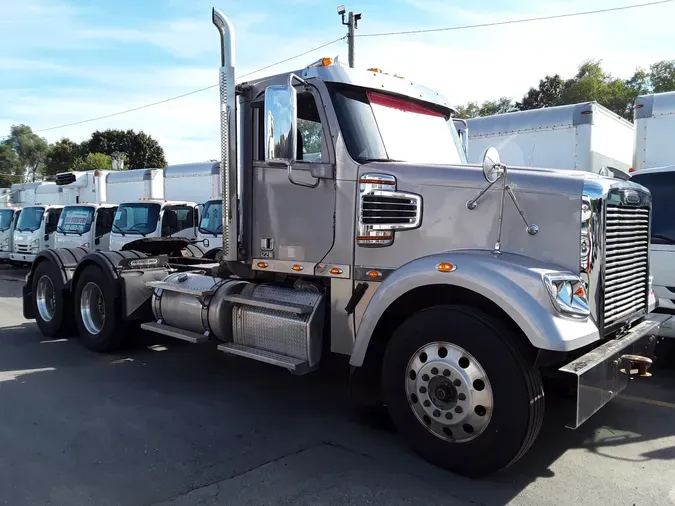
{"points": [[389, 210], [21, 248], [626, 263]]}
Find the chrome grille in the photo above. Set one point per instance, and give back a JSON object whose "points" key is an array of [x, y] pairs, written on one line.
{"points": [[378, 209], [626, 262]]}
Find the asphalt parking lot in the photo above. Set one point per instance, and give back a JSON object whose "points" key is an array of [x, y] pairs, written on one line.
{"points": [[177, 424]]}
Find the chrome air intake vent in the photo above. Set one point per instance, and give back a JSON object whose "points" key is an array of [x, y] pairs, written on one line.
{"points": [[383, 210]]}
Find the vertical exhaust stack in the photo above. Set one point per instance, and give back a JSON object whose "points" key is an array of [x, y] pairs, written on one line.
{"points": [[228, 137]]}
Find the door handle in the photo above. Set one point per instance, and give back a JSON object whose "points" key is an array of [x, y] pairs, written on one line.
{"points": [[301, 183]]}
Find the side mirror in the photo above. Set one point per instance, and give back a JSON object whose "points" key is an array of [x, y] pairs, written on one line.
{"points": [[46, 237], [463, 131], [492, 165], [281, 124], [97, 241]]}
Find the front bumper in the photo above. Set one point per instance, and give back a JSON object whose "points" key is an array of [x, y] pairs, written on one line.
{"points": [[600, 374], [22, 257]]}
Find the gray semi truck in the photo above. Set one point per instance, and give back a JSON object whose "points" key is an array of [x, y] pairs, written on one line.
{"points": [[353, 225]]}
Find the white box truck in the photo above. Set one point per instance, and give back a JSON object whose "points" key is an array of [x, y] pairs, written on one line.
{"points": [[585, 136], [654, 168], [88, 221], [36, 226], [8, 219]]}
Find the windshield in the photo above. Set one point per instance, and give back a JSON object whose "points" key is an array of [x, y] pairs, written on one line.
{"points": [[76, 220], [139, 219], [378, 126], [30, 219], [212, 221], [662, 187], [6, 216]]}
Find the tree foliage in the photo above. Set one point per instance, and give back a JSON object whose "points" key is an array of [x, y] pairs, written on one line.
{"points": [[93, 161], [591, 82], [141, 150], [30, 150], [61, 157], [9, 166]]}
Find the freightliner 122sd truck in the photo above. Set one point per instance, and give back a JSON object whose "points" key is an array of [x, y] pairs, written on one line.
{"points": [[451, 288]]}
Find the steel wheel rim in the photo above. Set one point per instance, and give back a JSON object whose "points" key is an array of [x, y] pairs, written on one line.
{"points": [[45, 298], [449, 392], [92, 308]]}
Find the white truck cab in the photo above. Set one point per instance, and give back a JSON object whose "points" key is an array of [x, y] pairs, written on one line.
{"points": [[210, 230], [152, 218], [86, 225], [34, 232], [8, 219]]}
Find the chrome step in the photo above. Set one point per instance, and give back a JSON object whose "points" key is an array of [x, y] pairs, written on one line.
{"points": [[179, 287], [287, 307], [167, 330], [295, 365]]}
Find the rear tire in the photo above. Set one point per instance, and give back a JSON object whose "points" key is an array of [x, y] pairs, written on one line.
{"points": [[50, 303], [98, 314], [458, 388]]}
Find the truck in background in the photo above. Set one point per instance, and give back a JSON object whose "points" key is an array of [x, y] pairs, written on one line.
{"points": [[36, 226], [8, 220], [585, 136], [425, 272], [88, 221], [654, 168]]}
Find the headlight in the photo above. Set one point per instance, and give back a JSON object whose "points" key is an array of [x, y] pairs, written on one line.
{"points": [[85, 245], [35, 246], [568, 294], [586, 236]]}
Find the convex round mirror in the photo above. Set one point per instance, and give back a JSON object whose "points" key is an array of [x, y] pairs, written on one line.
{"points": [[492, 166]]}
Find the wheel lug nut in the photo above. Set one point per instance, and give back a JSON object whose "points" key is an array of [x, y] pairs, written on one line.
{"points": [[461, 397], [425, 377], [434, 371], [437, 413], [457, 383], [427, 404], [446, 373], [423, 390], [458, 409], [448, 416]]}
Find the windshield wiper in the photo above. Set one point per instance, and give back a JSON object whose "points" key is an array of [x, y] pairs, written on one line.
{"points": [[119, 229], [664, 238]]}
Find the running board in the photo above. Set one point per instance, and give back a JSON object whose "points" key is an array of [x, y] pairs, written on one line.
{"points": [[167, 330], [287, 307], [295, 365]]}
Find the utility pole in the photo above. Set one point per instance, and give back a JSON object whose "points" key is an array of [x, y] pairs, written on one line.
{"points": [[352, 24]]}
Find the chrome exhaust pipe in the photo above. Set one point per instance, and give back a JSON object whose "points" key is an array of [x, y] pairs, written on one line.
{"points": [[228, 137]]}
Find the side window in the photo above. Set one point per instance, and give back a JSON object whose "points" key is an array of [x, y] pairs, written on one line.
{"points": [[310, 132], [52, 220], [184, 219], [104, 220]]}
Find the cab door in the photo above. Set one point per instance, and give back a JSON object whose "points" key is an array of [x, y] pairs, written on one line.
{"points": [[293, 204], [51, 222]]}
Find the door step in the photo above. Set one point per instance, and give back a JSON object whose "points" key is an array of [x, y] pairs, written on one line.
{"points": [[295, 365], [179, 287], [167, 330], [287, 307]]}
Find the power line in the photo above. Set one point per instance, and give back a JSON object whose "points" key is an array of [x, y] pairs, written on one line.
{"points": [[188, 93], [514, 21]]}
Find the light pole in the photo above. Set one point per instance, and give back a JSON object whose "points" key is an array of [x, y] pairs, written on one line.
{"points": [[352, 24]]}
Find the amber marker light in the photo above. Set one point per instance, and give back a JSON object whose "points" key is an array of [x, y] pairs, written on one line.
{"points": [[336, 271], [297, 268], [445, 267], [262, 265]]}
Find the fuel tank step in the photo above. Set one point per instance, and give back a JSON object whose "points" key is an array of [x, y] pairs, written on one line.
{"points": [[288, 307], [171, 286], [295, 365], [185, 335]]}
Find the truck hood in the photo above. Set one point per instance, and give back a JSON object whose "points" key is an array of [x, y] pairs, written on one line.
{"points": [[551, 199]]}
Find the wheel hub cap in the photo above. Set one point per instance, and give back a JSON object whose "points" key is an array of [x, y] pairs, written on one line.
{"points": [[92, 308], [449, 392], [46, 298]]}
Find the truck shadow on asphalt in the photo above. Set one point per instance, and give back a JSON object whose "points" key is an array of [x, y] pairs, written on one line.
{"points": [[165, 417]]}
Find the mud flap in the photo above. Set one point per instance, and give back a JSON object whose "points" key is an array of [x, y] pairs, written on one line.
{"points": [[604, 372]]}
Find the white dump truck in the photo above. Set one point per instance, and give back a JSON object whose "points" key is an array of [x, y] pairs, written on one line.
{"points": [[88, 221], [153, 204], [451, 289], [585, 136], [36, 227]]}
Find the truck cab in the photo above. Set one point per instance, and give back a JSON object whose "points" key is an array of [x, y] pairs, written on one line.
{"points": [[8, 218], [35, 231], [210, 229], [85, 225], [147, 218]]}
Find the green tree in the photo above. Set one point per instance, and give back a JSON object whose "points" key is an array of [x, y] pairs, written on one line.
{"points": [[142, 151], [61, 157], [9, 166], [662, 76], [546, 95], [93, 161], [487, 108], [31, 149]]}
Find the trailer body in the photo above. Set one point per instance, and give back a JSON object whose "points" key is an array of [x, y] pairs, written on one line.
{"points": [[654, 131], [585, 136], [353, 225]]}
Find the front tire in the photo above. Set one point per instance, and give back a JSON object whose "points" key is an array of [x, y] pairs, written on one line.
{"points": [[98, 316], [50, 303], [458, 388]]}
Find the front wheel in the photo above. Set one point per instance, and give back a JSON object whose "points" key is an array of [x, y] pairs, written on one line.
{"points": [[99, 321], [458, 388]]}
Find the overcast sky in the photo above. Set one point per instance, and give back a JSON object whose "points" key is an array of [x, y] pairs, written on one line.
{"points": [[68, 60]]}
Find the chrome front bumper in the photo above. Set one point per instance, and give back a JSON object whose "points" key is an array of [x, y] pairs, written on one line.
{"points": [[600, 374]]}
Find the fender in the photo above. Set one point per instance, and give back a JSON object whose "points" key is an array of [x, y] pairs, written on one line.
{"points": [[65, 259], [513, 282], [108, 261]]}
